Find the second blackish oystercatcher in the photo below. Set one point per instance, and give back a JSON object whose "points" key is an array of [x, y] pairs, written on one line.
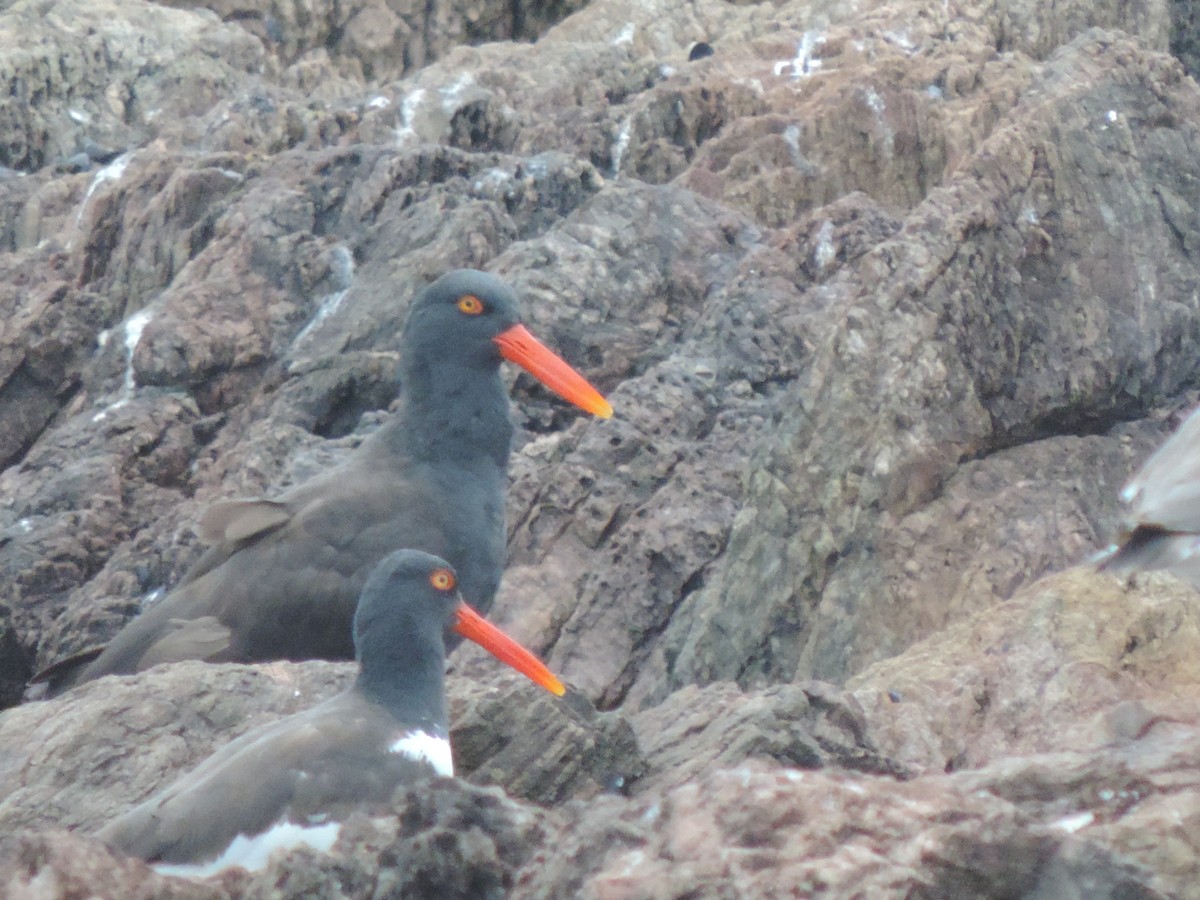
{"points": [[282, 576], [295, 781], [1163, 523]]}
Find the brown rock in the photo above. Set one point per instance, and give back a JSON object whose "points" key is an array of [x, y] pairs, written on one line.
{"points": [[58, 864], [942, 364], [102, 71], [803, 726], [761, 831], [886, 298], [382, 39], [68, 763], [1138, 797], [537, 747], [1067, 663]]}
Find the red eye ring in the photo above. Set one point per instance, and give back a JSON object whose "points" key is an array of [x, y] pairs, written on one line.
{"points": [[442, 579], [470, 304]]}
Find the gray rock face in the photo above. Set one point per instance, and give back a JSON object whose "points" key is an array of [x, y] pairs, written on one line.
{"points": [[806, 726], [890, 302], [759, 832]]}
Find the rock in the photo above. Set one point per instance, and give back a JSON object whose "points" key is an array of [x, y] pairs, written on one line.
{"points": [[538, 747], [82, 526], [807, 557], [890, 301], [941, 840], [1137, 798], [1183, 36], [379, 40], [102, 71], [803, 726], [62, 864], [759, 831], [66, 762], [224, 226], [1073, 661]]}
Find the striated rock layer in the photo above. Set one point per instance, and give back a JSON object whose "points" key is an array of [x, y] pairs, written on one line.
{"points": [[890, 299]]}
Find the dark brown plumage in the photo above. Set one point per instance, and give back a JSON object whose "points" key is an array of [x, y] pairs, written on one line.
{"points": [[295, 781], [282, 576], [1162, 530]]}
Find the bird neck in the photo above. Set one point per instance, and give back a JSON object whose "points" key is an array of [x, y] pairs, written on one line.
{"points": [[452, 412], [405, 675]]}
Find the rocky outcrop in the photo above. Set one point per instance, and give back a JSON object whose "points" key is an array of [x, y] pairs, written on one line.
{"points": [[1074, 661], [754, 832], [806, 726], [889, 300]]}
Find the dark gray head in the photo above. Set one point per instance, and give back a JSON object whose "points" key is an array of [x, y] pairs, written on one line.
{"points": [[408, 605], [458, 330], [410, 593], [457, 318]]}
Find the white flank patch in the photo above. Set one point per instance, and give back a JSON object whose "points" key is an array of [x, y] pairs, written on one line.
{"points": [[420, 745], [252, 853]]}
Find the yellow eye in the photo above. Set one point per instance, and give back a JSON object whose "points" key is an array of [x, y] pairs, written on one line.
{"points": [[442, 579], [470, 304]]}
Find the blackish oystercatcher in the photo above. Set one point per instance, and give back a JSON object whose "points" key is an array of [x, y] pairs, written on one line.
{"points": [[282, 576], [297, 780], [1163, 523]]}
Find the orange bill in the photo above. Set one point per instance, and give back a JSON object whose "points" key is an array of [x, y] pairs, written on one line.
{"points": [[519, 346], [475, 627]]}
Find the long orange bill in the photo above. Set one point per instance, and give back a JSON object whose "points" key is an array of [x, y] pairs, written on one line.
{"points": [[519, 346], [475, 627]]}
